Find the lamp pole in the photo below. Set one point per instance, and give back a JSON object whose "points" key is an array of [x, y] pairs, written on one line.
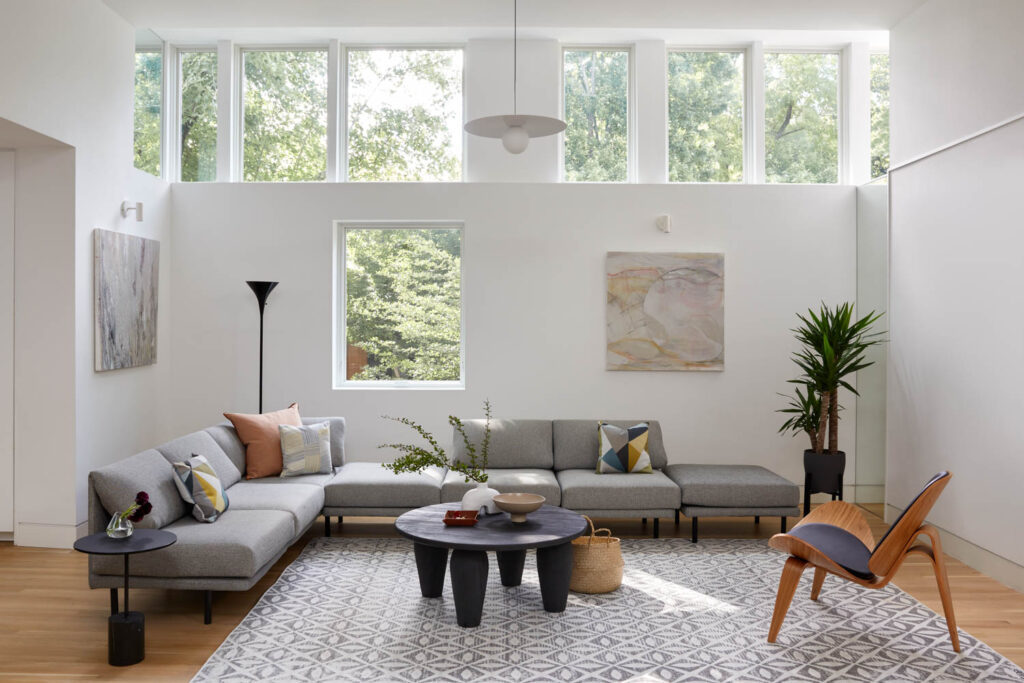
{"points": [[262, 290]]}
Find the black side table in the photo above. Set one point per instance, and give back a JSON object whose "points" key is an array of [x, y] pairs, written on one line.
{"points": [[126, 631]]}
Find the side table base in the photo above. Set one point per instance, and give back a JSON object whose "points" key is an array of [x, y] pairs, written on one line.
{"points": [[126, 638]]}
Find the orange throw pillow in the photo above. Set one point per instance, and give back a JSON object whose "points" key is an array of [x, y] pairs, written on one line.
{"points": [[262, 439]]}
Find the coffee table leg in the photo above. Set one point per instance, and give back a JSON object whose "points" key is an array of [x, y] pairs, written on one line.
{"points": [[554, 567], [430, 563], [469, 585], [510, 564]]}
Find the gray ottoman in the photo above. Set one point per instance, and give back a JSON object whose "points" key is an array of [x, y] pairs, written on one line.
{"points": [[733, 491]]}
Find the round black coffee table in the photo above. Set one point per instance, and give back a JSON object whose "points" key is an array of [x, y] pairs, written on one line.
{"points": [[126, 631], [550, 530]]}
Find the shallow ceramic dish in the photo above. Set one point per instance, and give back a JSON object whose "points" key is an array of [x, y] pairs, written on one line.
{"points": [[460, 517], [518, 505]]}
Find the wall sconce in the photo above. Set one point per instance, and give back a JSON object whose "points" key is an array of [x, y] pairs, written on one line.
{"points": [[664, 223], [136, 207]]}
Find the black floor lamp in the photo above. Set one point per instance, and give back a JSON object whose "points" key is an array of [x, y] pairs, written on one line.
{"points": [[262, 291]]}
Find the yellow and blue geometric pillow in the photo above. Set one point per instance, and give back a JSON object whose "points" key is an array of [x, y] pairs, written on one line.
{"points": [[623, 450], [200, 486]]}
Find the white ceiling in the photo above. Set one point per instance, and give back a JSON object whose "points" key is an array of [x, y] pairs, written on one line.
{"points": [[814, 15]]}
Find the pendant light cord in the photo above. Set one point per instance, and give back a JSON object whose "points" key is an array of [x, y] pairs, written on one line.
{"points": [[515, 56]]}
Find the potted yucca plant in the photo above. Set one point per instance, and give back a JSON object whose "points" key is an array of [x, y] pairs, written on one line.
{"points": [[832, 347]]}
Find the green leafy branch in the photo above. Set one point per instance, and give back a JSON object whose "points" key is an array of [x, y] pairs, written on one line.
{"points": [[417, 458]]}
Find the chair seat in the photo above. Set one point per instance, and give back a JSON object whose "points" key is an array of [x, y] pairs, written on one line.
{"points": [[512, 480], [839, 545]]}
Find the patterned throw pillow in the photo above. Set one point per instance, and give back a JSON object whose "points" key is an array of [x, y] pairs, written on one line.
{"points": [[306, 450], [623, 450], [200, 486]]}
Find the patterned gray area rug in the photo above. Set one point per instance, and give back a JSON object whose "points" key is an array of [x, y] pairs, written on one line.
{"points": [[351, 610]]}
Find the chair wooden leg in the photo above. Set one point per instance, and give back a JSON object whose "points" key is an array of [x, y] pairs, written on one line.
{"points": [[787, 587], [942, 579], [819, 579]]}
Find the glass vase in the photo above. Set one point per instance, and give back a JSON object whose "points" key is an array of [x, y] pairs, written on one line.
{"points": [[120, 527]]}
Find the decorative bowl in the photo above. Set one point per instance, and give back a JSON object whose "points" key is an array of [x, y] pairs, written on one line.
{"points": [[460, 517], [518, 505]]}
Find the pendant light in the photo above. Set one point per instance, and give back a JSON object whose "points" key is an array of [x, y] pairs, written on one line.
{"points": [[515, 129]]}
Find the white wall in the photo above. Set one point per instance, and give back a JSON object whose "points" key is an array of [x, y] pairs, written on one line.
{"points": [[955, 70], [68, 74], [6, 341], [534, 296], [957, 270]]}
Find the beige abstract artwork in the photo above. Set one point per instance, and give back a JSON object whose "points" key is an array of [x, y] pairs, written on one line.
{"points": [[666, 311]]}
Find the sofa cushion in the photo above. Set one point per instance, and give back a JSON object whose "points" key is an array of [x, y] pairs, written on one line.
{"points": [[200, 486], [149, 471], [623, 450], [588, 490], [318, 480], [262, 440], [528, 480], [238, 545], [368, 484], [514, 443], [738, 486], [227, 438], [576, 443], [202, 443], [303, 503], [337, 425], [305, 449]]}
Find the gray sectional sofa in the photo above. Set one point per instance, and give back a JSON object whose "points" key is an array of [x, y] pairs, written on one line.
{"points": [[555, 458]]}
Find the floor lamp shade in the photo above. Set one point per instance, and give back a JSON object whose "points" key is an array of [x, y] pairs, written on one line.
{"points": [[262, 290]]}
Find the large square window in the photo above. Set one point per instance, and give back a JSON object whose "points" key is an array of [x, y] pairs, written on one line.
{"points": [[405, 114], [400, 306], [596, 110], [801, 120], [705, 117], [149, 80], [198, 112], [284, 96]]}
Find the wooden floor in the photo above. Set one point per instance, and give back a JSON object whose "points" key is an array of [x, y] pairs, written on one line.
{"points": [[52, 627]]}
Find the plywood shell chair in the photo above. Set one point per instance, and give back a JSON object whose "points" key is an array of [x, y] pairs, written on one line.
{"points": [[836, 539]]}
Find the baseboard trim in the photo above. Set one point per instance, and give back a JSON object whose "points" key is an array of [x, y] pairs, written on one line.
{"points": [[40, 535], [985, 561]]}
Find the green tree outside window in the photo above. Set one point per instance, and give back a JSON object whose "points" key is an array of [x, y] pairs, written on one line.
{"points": [[596, 115], [149, 68], [198, 116]]}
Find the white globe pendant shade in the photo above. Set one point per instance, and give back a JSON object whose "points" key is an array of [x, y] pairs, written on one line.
{"points": [[515, 130]]}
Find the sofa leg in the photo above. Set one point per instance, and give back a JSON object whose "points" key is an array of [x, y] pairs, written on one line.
{"points": [[327, 526], [757, 519], [693, 529], [340, 520], [207, 607], [677, 517], [656, 524], [113, 601], [643, 520], [783, 524]]}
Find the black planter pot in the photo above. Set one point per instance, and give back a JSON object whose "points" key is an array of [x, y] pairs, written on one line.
{"points": [[823, 473]]}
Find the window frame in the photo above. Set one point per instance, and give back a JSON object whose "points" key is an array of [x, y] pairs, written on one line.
{"points": [[339, 347], [239, 94], [842, 117], [631, 113], [746, 121], [342, 117], [176, 93]]}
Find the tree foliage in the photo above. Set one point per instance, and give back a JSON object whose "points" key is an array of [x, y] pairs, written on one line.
{"points": [[405, 115], [285, 128], [879, 115], [705, 117], [148, 99], [403, 302], [801, 117], [198, 116], [596, 115]]}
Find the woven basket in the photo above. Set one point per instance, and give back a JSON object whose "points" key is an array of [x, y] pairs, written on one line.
{"points": [[596, 562]]}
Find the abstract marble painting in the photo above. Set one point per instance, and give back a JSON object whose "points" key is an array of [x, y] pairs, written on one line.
{"points": [[126, 273], [666, 311]]}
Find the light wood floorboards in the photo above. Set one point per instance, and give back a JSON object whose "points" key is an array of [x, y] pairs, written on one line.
{"points": [[52, 627]]}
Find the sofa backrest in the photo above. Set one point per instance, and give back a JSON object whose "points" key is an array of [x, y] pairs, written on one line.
{"points": [[576, 443], [116, 485], [202, 443], [227, 438], [514, 443]]}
